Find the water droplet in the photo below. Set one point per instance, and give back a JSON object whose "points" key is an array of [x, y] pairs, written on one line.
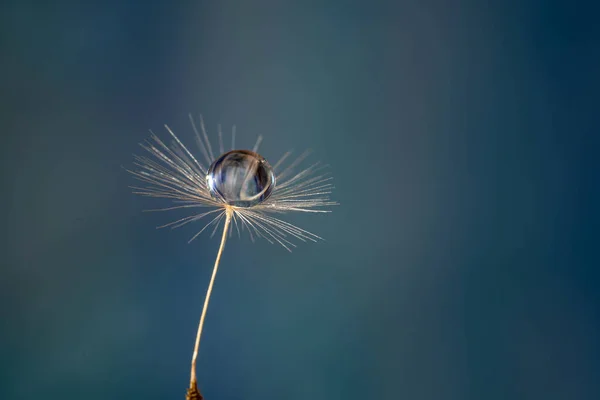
{"points": [[240, 178]]}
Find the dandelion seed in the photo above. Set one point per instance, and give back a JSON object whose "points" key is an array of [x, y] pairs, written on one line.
{"points": [[239, 186]]}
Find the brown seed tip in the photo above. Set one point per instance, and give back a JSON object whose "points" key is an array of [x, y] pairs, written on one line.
{"points": [[193, 393]]}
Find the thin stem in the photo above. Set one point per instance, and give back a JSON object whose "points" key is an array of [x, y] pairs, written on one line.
{"points": [[193, 386]]}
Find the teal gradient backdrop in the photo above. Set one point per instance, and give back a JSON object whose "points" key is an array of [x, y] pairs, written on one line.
{"points": [[461, 264]]}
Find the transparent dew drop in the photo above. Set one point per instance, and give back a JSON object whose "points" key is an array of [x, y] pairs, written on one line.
{"points": [[240, 178]]}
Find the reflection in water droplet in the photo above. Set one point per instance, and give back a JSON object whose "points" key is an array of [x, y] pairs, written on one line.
{"points": [[240, 178]]}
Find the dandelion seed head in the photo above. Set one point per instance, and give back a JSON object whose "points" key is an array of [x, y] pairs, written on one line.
{"points": [[239, 182]]}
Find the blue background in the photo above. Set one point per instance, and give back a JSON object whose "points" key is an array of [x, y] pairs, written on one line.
{"points": [[462, 262]]}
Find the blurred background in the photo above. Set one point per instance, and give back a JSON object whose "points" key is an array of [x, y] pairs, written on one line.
{"points": [[462, 262]]}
